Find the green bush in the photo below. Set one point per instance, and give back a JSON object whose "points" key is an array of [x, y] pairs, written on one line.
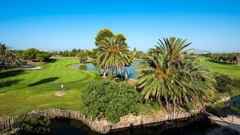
{"points": [[33, 125], [30, 54], [110, 100], [42, 57], [224, 83]]}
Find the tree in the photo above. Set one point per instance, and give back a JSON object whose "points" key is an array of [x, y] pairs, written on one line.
{"points": [[120, 37], [171, 76], [83, 56], [7, 59], [102, 34], [43, 56], [113, 56], [30, 54]]}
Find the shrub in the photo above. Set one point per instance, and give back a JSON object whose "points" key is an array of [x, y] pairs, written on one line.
{"points": [[110, 100], [42, 57], [33, 124], [30, 54], [224, 83]]}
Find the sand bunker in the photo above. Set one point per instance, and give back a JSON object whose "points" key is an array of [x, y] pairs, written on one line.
{"points": [[59, 93]]}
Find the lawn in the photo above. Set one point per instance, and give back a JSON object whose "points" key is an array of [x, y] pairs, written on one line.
{"points": [[225, 69], [22, 91], [232, 71]]}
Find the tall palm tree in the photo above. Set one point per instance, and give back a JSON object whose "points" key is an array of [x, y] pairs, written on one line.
{"points": [[113, 55], [171, 76]]}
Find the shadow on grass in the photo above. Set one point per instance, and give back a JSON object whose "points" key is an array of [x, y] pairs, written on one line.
{"points": [[43, 81], [52, 60], [9, 83], [11, 73]]}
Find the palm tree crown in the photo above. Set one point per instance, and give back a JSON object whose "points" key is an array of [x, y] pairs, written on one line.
{"points": [[113, 55], [172, 76]]}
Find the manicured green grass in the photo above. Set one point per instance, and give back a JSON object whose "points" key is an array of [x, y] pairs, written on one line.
{"points": [[230, 70], [225, 69], [22, 91]]}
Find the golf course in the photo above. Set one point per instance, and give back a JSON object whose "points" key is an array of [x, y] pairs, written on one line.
{"points": [[23, 91], [225, 69]]}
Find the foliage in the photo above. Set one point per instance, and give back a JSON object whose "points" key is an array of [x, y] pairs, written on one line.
{"points": [[67, 53], [103, 34], [92, 54], [138, 54], [7, 59], [110, 100], [43, 57], [30, 54], [230, 58], [120, 37], [224, 83], [36, 55], [112, 53], [82, 56], [17, 53], [33, 124], [171, 76]]}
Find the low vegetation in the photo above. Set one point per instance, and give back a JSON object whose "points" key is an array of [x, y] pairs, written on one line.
{"points": [[32, 124], [110, 100], [35, 55]]}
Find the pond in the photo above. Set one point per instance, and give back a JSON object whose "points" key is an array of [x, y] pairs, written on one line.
{"points": [[227, 108], [89, 66], [30, 67], [235, 101], [202, 126]]}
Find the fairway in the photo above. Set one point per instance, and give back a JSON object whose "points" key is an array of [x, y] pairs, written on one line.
{"points": [[22, 91], [225, 69]]}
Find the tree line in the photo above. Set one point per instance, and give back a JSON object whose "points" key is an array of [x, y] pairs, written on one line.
{"points": [[32, 54], [229, 58]]}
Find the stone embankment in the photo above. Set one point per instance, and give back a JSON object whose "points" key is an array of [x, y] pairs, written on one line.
{"points": [[103, 126]]}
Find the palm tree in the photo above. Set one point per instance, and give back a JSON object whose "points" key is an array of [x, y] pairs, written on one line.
{"points": [[83, 56], [171, 76], [6, 58], [112, 56]]}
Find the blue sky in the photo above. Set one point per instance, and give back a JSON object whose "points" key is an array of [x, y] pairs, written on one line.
{"points": [[212, 25]]}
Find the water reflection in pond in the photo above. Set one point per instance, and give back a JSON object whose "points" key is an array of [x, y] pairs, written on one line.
{"points": [[198, 127], [228, 109], [235, 101], [89, 66]]}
